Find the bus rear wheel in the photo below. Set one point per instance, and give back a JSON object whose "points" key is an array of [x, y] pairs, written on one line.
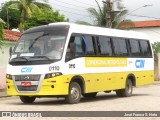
{"points": [[90, 95], [26, 99], [127, 91], [74, 95]]}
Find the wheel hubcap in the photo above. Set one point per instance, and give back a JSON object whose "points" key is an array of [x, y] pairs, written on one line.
{"points": [[129, 88], [74, 93]]}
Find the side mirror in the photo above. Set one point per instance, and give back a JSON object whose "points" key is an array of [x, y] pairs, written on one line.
{"points": [[10, 51]]}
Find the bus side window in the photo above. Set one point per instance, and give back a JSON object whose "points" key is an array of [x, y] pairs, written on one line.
{"points": [[89, 48], [145, 48], [76, 47], [82, 46], [120, 47], [134, 47], [79, 46], [71, 49], [104, 45]]}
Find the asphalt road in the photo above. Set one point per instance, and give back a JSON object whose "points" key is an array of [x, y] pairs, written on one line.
{"points": [[145, 98]]}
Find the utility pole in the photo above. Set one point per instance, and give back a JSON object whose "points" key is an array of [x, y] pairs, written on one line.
{"points": [[108, 5]]}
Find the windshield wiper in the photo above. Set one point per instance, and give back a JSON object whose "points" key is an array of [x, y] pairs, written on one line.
{"points": [[45, 57], [37, 39]]}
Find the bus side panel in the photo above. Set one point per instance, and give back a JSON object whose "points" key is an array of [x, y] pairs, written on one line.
{"points": [[104, 74], [98, 82], [144, 77], [105, 81], [113, 81]]}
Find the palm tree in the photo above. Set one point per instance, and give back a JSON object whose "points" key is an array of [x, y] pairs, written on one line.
{"points": [[99, 16], [26, 7], [116, 17]]}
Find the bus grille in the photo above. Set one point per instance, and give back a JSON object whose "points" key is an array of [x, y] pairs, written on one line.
{"points": [[27, 88], [27, 77]]}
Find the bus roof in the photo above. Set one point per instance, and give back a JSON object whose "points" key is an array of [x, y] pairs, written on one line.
{"points": [[84, 29], [76, 28]]}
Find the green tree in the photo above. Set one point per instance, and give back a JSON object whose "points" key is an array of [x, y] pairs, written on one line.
{"points": [[1, 32], [44, 18], [13, 16], [100, 17], [26, 7], [156, 47]]}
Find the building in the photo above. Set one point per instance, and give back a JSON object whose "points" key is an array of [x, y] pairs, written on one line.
{"points": [[151, 28], [10, 39]]}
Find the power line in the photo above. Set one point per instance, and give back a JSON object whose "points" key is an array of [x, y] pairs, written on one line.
{"points": [[74, 20], [72, 12], [84, 3], [142, 16], [70, 4], [67, 7], [84, 16]]}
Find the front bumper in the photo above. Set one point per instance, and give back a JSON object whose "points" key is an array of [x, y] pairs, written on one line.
{"points": [[48, 87]]}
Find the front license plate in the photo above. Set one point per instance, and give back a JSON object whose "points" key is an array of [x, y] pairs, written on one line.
{"points": [[26, 84]]}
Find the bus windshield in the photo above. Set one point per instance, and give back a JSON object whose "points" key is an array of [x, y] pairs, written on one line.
{"points": [[43, 45]]}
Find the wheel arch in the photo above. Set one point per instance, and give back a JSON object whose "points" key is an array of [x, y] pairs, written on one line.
{"points": [[80, 80], [132, 77]]}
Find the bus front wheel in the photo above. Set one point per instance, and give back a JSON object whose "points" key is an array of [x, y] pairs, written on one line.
{"points": [[26, 99], [74, 95], [127, 91]]}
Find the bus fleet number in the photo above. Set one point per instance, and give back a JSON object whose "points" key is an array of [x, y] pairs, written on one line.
{"points": [[54, 68]]}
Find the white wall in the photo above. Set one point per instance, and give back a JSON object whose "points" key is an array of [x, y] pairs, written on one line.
{"points": [[152, 32], [4, 53], [4, 57]]}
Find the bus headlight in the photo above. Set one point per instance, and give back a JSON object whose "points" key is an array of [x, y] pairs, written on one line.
{"points": [[8, 76], [51, 75]]}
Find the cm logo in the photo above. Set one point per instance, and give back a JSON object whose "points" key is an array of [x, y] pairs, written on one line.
{"points": [[26, 69], [139, 63]]}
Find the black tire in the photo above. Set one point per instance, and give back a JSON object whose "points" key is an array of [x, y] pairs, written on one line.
{"points": [[118, 92], [74, 95], [127, 91], [26, 99], [90, 95]]}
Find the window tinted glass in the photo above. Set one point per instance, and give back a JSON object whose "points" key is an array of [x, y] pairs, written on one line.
{"points": [[89, 44], [120, 47], [145, 48], [105, 46], [134, 48], [80, 45]]}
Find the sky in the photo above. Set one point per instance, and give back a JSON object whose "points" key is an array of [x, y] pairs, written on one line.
{"points": [[77, 9]]}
